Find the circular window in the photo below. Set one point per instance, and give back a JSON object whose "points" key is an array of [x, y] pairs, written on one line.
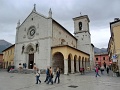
{"points": [[31, 32]]}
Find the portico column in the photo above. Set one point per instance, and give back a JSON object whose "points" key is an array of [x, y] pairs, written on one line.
{"points": [[81, 64], [72, 66], [65, 66], [77, 65], [84, 65], [89, 64]]}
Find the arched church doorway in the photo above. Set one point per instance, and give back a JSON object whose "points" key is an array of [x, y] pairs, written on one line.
{"points": [[58, 61], [31, 61], [69, 64], [30, 50]]}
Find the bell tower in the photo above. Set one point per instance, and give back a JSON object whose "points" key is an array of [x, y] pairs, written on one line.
{"points": [[81, 32], [81, 24]]}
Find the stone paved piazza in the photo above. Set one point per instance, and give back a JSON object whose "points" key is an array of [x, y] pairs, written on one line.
{"points": [[16, 81]]}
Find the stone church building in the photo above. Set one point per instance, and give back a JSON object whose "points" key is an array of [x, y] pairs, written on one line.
{"points": [[43, 41]]}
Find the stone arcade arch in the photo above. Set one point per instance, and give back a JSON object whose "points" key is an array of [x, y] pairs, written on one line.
{"points": [[69, 63], [68, 56], [58, 61]]}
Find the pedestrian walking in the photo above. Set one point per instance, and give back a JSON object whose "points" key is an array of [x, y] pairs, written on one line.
{"points": [[37, 76], [25, 65], [47, 74], [51, 76], [104, 65], [107, 69], [102, 69], [97, 71], [57, 75]]}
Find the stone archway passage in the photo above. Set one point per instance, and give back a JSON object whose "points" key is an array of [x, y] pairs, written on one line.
{"points": [[31, 61], [58, 61]]}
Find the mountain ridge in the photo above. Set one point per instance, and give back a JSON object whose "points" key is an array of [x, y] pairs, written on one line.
{"points": [[98, 50], [3, 45]]}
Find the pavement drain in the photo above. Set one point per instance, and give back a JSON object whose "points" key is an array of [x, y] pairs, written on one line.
{"points": [[73, 86]]}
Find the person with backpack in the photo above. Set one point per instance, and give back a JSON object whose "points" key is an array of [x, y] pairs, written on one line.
{"points": [[38, 76], [51, 76]]}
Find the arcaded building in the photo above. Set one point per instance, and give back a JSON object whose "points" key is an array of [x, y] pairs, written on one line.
{"points": [[43, 41]]}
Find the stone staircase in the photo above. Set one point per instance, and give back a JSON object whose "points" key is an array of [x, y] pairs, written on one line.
{"points": [[22, 71], [26, 71]]}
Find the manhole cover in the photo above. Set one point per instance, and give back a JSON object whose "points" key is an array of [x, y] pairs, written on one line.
{"points": [[73, 86]]}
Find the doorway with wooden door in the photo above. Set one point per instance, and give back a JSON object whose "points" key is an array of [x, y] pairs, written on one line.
{"points": [[31, 61]]}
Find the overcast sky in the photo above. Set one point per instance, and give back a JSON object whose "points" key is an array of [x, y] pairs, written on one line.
{"points": [[100, 13]]}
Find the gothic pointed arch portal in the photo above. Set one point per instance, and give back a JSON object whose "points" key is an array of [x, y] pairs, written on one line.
{"points": [[58, 61], [30, 50]]}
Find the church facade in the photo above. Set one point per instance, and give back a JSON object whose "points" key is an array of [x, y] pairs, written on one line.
{"points": [[43, 41]]}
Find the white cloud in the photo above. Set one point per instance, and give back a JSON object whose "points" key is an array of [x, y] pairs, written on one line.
{"points": [[100, 37], [100, 12]]}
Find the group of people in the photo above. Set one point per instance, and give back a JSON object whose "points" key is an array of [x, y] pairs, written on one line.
{"points": [[102, 68], [49, 76]]}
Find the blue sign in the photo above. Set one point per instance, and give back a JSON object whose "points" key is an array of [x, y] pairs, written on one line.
{"points": [[114, 56]]}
